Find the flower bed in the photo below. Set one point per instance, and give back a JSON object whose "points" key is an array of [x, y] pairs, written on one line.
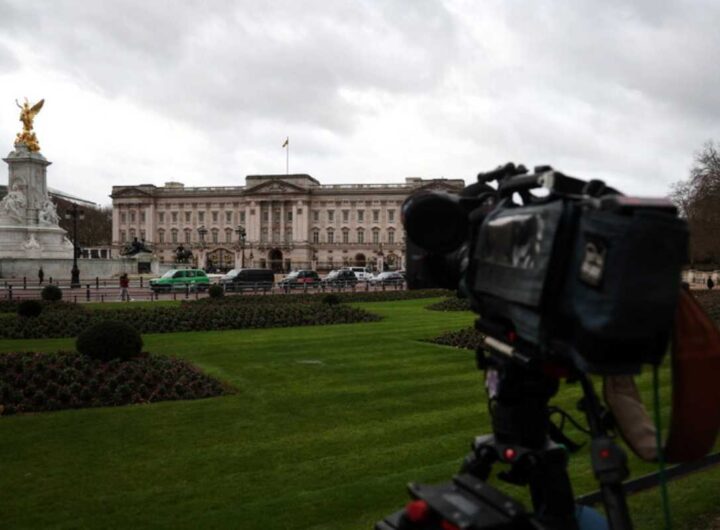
{"points": [[187, 317], [451, 304], [465, 338], [37, 382]]}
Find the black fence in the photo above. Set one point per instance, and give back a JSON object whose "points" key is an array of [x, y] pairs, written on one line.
{"points": [[108, 290]]}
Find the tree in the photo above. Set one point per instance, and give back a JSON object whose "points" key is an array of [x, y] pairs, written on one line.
{"points": [[698, 200], [95, 230]]}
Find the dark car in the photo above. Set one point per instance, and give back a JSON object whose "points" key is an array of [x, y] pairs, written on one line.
{"points": [[388, 278], [343, 277], [300, 279], [248, 279]]}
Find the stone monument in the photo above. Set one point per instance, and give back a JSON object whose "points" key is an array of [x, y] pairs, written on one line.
{"points": [[28, 218]]}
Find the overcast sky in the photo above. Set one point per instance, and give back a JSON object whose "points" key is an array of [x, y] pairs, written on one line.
{"points": [[206, 92]]}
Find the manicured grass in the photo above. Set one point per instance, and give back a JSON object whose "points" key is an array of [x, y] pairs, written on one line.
{"points": [[327, 426]]}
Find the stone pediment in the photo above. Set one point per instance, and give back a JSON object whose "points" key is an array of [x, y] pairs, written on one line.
{"points": [[441, 185], [275, 186], [130, 191]]}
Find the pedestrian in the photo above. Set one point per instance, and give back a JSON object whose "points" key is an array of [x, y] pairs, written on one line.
{"points": [[710, 283], [124, 284], [41, 275]]}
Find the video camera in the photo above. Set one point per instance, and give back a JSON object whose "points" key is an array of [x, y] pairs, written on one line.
{"points": [[569, 278], [583, 272]]}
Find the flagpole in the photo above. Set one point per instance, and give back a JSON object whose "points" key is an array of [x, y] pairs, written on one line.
{"points": [[287, 159]]}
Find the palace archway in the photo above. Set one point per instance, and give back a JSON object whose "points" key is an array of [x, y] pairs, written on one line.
{"points": [[275, 257], [360, 260]]}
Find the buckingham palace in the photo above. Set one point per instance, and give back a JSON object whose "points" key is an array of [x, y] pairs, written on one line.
{"points": [[282, 222]]}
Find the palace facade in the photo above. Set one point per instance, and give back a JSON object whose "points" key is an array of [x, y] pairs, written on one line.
{"points": [[282, 222]]}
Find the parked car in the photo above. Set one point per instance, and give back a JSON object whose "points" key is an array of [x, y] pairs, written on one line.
{"points": [[248, 279], [344, 277], [300, 278], [179, 279], [388, 278], [363, 274]]}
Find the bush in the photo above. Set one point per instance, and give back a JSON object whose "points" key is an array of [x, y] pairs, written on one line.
{"points": [[29, 308], [331, 299], [109, 340], [216, 291], [51, 293]]}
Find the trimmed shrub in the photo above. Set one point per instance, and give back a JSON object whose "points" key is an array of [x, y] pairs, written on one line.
{"points": [[51, 293], [109, 340], [29, 308], [331, 299], [451, 304], [216, 291]]}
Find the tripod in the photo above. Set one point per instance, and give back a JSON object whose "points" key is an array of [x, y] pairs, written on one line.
{"points": [[519, 396]]}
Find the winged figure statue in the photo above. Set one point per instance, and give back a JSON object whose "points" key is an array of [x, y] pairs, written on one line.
{"points": [[27, 115]]}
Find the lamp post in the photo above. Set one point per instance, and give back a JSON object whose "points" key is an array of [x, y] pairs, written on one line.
{"points": [[240, 231], [75, 214]]}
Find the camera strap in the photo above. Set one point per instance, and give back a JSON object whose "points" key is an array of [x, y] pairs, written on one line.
{"points": [[695, 416]]}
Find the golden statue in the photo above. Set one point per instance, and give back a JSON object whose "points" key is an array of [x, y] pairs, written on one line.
{"points": [[27, 115]]}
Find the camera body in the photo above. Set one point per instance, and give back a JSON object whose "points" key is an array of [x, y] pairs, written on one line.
{"points": [[580, 275]]}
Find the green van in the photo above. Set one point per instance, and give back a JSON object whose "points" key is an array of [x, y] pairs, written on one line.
{"points": [[180, 279]]}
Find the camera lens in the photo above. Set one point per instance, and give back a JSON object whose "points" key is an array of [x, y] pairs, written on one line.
{"points": [[435, 221]]}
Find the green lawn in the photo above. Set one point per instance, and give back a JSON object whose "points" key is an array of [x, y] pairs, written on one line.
{"points": [[327, 425]]}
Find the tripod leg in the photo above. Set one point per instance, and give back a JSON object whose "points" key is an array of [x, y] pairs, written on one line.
{"points": [[551, 491]]}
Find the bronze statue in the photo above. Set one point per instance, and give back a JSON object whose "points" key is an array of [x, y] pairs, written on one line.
{"points": [[27, 115]]}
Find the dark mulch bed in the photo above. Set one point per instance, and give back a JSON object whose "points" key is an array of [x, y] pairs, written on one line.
{"points": [[451, 304], [38, 382]]}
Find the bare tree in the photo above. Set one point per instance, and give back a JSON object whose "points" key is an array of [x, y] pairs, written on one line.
{"points": [[698, 200]]}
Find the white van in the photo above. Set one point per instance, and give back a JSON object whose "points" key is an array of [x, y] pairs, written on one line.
{"points": [[363, 273]]}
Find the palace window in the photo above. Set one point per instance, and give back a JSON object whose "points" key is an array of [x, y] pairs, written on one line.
{"points": [[376, 236], [391, 236], [316, 215], [331, 215], [214, 217], [361, 235], [132, 217], [161, 236], [264, 235], [242, 217], [123, 218], [346, 236], [142, 217], [228, 235], [265, 215], [391, 216], [188, 235], [188, 216], [330, 236], [276, 236], [174, 217], [132, 234], [173, 235], [201, 217], [346, 215], [288, 236], [276, 216], [316, 236], [122, 236], [376, 216], [215, 235], [289, 215], [228, 217], [361, 216], [161, 217]]}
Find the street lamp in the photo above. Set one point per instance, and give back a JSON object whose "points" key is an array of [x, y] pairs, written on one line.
{"points": [[75, 214], [240, 231]]}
